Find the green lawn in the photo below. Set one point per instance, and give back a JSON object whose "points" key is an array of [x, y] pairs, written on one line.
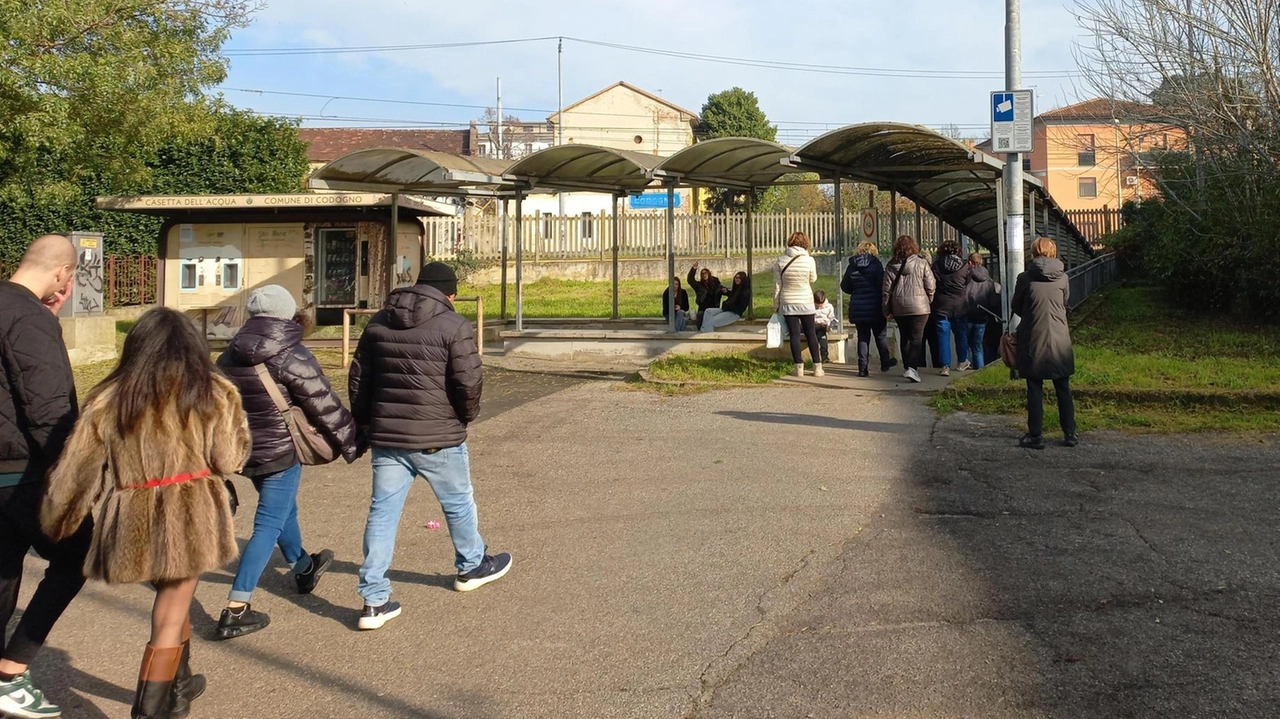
{"points": [[720, 369], [564, 299], [1143, 363]]}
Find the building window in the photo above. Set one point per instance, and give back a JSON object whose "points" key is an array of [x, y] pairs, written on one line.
{"points": [[188, 276], [1026, 164], [588, 226], [231, 275], [638, 139], [1088, 151], [1088, 186]]}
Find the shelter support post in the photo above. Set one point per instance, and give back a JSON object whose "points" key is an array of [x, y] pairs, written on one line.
{"points": [[389, 271], [919, 224], [751, 242], [671, 258], [842, 253], [502, 222], [519, 262], [617, 224], [893, 217]]}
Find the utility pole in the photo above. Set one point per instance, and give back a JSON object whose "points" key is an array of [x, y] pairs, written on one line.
{"points": [[501, 153], [560, 115], [1016, 244]]}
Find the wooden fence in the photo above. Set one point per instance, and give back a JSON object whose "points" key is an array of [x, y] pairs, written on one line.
{"points": [[1096, 225], [590, 237]]}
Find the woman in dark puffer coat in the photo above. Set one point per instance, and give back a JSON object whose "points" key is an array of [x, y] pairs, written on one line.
{"points": [[951, 304], [863, 282], [1044, 341], [273, 339]]}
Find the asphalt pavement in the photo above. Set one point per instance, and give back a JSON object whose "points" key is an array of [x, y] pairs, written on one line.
{"points": [[780, 552]]}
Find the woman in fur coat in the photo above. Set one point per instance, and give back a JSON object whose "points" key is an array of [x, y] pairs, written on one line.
{"points": [[148, 457]]}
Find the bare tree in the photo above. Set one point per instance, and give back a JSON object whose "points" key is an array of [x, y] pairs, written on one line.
{"points": [[1210, 67]]}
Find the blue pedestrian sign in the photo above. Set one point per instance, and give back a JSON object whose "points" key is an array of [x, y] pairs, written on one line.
{"points": [[1012, 122]]}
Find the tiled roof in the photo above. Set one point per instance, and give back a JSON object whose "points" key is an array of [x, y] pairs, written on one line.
{"points": [[1102, 109], [330, 143]]}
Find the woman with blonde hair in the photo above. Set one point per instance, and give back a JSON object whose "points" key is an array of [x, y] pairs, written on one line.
{"points": [[793, 276], [1045, 352], [153, 445], [1040, 298], [907, 294], [862, 281]]}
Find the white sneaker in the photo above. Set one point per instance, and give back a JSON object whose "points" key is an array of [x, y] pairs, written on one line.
{"points": [[799, 370], [912, 375], [945, 372], [965, 366], [817, 370], [20, 698]]}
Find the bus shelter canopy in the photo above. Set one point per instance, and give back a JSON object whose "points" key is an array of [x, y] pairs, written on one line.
{"points": [[390, 169], [585, 168]]}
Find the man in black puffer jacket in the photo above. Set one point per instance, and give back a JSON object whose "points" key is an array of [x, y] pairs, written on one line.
{"points": [[37, 412], [271, 339], [415, 386]]}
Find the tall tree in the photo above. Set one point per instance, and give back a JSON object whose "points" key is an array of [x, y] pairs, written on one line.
{"points": [[96, 87], [735, 113]]}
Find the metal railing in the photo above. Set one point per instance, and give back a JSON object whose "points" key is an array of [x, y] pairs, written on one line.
{"points": [[1092, 276], [346, 326]]}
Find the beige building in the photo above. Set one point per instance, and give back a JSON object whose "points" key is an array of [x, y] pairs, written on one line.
{"points": [[330, 250], [1098, 154], [625, 117]]}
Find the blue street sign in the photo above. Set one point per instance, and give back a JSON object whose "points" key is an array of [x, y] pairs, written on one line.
{"points": [[1002, 107], [651, 201]]}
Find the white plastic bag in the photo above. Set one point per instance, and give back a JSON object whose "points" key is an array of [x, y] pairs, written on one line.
{"points": [[773, 332]]}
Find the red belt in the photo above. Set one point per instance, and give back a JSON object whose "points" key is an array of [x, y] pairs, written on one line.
{"points": [[175, 479]]}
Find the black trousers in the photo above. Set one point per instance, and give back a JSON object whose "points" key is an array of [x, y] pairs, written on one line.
{"points": [[911, 329], [796, 324], [931, 341], [1035, 406], [20, 532], [878, 332], [823, 343]]}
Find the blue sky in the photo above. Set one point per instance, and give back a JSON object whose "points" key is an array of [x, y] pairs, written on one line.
{"points": [[957, 36]]}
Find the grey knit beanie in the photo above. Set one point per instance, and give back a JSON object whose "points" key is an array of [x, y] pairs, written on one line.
{"points": [[272, 301]]}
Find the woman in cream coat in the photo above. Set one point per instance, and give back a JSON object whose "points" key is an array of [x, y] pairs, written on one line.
{"points": [[793, 278]]}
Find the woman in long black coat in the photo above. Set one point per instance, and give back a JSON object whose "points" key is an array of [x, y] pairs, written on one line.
{"points": [[863, 282], [1044, 341]]}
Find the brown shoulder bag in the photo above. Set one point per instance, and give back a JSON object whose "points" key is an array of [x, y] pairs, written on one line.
{"points": [[311, 446]]}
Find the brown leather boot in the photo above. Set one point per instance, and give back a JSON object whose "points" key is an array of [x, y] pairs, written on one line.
{"points": [[186, 686], [154, 697]]}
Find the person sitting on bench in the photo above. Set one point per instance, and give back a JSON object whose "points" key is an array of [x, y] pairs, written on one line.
{"points": [[735, 304], [707, 290], [682, 305]]}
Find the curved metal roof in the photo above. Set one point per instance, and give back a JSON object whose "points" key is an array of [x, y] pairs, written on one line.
{"points": [[727, 162], [947, 178], [584, 167], [402, 170]]}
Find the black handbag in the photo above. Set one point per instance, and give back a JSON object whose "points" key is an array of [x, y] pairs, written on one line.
{"points": [[232, 498]]}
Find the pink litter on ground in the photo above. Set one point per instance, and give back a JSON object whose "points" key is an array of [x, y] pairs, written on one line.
{"points": [[433, 524]]}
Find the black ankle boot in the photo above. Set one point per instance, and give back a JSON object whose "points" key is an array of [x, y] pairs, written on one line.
{"points": [[186, 686], [154, 696]]}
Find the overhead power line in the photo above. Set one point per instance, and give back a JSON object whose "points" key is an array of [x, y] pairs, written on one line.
{"points": [[901, 73]]}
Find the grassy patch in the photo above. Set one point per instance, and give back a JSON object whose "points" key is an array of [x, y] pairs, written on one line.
{"points": [[1143, 364], [566, 299], [719, 369]]}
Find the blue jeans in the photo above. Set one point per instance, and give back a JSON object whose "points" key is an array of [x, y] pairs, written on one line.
{"points": [[682, 320], [448, 471], [275, 523], [945, 327], [977, 332], [714, 318]]}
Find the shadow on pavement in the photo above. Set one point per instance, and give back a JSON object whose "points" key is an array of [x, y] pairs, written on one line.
{"points": [[62, 682], [278, 581], [811, 420]]}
